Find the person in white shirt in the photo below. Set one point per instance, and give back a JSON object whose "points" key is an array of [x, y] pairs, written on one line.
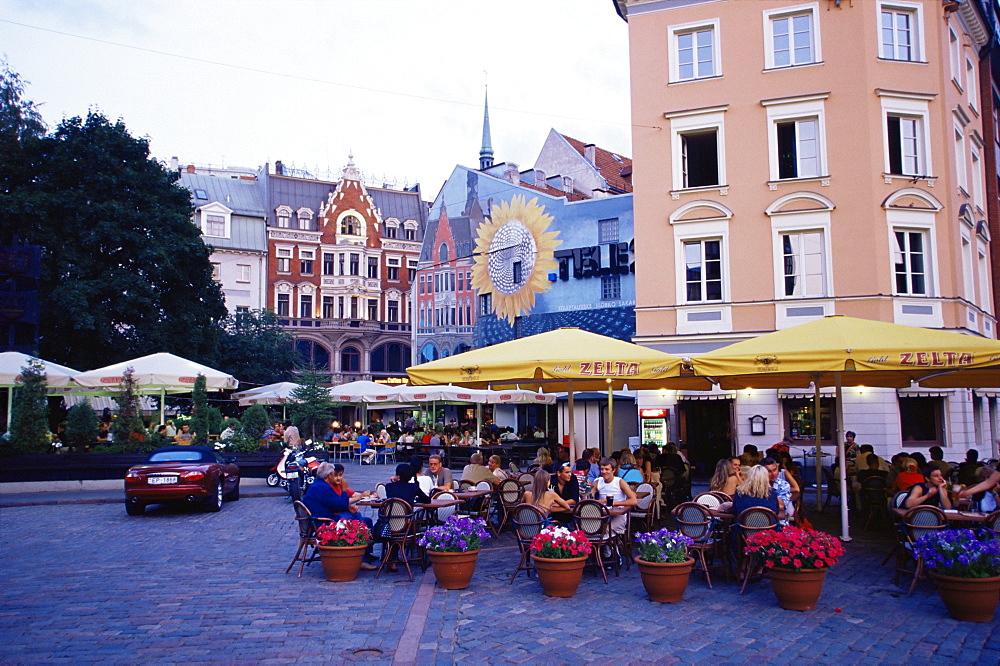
{"points": [[230, 432]]}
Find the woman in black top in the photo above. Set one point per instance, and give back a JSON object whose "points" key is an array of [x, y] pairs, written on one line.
{"points": [[565, 485]]}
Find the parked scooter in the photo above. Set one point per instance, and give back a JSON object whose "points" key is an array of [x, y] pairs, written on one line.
{"points": [[295, 472]]}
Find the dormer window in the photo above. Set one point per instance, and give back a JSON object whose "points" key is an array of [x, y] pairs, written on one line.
{"points": [[215, 220], [305, 218], [284, 216]]}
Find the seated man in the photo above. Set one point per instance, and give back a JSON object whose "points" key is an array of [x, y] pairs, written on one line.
{"points": [[750, 456], [367, 450], [440, 475], [968, 470], [937, 460], [621, 494], [475, 471], [508, 435]]}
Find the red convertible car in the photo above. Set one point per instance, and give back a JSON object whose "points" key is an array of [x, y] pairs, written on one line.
{"points": [[194, 474]]}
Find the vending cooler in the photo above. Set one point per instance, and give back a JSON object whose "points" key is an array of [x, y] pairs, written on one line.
{"points": [[655, 426]]}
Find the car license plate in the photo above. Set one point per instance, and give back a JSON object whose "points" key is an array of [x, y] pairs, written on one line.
{"points": [[161, 480]]}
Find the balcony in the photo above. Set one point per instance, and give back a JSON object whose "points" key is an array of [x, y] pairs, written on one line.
{"points": [[344, 324]]}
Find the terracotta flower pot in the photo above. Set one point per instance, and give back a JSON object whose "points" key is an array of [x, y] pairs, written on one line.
{"points": [[559, 577], [665, 582], [968, 599], [454, 570], [797, 590], [341, 563]]}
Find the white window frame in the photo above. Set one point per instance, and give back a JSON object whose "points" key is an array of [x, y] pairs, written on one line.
{"points": [[690, 123], [898, 254], [983, 271], [955, 57], [972, 85], [961, 172], [796, 109], [800, 222], [312, 305], [916, 11], [217, 271], [770, 16], [905, 105], [304, 216], [243, 272], [675, 31], [976, 176], [968, 267], [216, 209], [284, 216], [694, 232], [284, 254]]}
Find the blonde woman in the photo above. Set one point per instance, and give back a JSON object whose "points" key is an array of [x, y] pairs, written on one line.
{"points": [[756, 490], [542, 458]]}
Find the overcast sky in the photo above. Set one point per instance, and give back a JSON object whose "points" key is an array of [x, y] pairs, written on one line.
{"points": [[399, 82]]}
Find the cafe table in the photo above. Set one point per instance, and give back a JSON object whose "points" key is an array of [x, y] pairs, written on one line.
{"points": [[953, 516]]}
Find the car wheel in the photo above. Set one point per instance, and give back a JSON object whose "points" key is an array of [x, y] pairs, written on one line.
{"points": [[215, 503], [134, 508], [273, 480], [235, 495]]}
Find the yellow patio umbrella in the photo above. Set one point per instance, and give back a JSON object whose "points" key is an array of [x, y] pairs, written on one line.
{"points": [[565, 359], [839, 350]]}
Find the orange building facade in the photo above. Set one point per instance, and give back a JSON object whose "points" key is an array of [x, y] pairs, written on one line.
{"points": [[800, 159]]}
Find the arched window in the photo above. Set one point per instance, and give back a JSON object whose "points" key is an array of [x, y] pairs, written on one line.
{"points": [[390, 357], [428, 353], [350, 360], [443, 253], [462, 348], [313, 354], [350, 225]]}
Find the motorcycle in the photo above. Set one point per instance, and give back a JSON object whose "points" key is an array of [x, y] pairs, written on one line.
{"points": [[294, 471]]}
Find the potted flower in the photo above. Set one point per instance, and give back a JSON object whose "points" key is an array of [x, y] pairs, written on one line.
{"points": [[558, 555], [965, 567], [796, 560], [664, 564], [454, 548], [341, 547]]}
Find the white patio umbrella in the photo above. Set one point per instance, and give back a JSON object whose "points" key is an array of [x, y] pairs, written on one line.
{"points": [[160, 373], [276, 392], [11, 363]]}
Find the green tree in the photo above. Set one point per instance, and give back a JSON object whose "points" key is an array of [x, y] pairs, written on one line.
{"points": [[200, 418], [81, 424], [254, 422], [19, 123], [122, 264], [128, 430], [30, 412], [312, 408], [255, 349]]}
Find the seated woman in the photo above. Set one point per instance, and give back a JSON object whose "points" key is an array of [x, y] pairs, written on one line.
{"points": [[932, 492], [628, 470], [908, 477], [329, 497], [542, 458], [543, 497], [756, 491], [725, 478]]}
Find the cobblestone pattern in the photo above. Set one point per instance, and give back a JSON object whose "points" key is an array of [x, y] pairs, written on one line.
{"points": [[86, 583]]}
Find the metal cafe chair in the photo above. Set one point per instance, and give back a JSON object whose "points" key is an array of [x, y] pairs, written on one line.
{"points": [[307, 537], [752, 520], [528, 521]]}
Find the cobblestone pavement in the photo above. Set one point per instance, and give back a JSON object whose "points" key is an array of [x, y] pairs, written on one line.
{"points": [[85, 583]]}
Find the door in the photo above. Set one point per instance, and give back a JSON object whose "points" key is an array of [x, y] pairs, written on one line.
{"points": [[706, 431]]}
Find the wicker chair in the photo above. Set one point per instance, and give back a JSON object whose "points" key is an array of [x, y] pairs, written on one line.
{"points": [[751, 521], [694, 521], [399, 515], [510, 493], [709, 500], [307, 537], [873, 501], [528, 520], [919, 520], [593, 519]]}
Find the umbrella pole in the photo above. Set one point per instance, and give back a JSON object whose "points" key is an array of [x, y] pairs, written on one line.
{"points": [[10, 402], [571, 424], [819, 448], [611, 417], [842, 458], [163, 395]]}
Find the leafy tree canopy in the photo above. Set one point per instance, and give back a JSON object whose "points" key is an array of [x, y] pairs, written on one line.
{"points": [[255, 349], [124, 271], [30, 415], [312, 407]]}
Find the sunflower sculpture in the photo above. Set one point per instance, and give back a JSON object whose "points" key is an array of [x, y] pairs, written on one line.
{"points": [[514, 253]]}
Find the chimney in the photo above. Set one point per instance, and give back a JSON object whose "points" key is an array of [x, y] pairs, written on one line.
{"points": [[175, 164], [511, 174], [539, 178], [190, 168], [279, 168], [590, 153]]}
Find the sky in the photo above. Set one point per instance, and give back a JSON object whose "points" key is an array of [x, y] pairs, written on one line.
{"points": [[400, 83]]}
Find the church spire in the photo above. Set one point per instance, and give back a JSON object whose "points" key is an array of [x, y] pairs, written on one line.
{"points": [[486, 152]]}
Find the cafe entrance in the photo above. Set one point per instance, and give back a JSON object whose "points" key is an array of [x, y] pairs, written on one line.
{"points": [[705, 428]]}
